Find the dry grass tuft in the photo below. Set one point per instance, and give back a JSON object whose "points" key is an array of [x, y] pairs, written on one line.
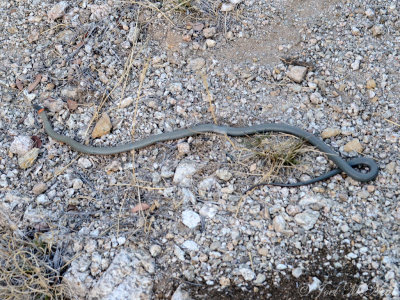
{"points": [[30, 269]]}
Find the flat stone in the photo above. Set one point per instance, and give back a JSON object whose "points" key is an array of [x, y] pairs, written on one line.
{"points": [[297, 73], [190, 219], [330, 132], [103, 126], [307, 219], [353, 145]]}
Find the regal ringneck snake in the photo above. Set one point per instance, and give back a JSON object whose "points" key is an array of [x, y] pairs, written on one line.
{"points": [[342, 165]]}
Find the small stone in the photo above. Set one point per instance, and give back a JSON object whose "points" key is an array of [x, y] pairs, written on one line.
{"points": [[307, 219], [316, 98], [103, 126], [27, 160], [362, 288], [58, 10], [223, 174], [196, 63], [53, 105], [21, 145], [126, 102], [352, 255], [183, 148], [181, 294], [225, 7], [210, 43], [314, 286], [371, 84], [377, 30], [208, 211], [155, 250], [247, 274], [99, 12], [330, 132], [33, 36], [42, 199], [235, 1], [190, 245], [281, 267], [297, 272], [184, 172], [77, 184], [224, 281], [209, 32], [356, 65], [39, 188], [263, 251], [72, 105], [260, 279], [353, 145], [70, 92], [390, 168], [179, 253], [134, 33], [190, 219], [84, 162], [369, 12], [297, 73], [279, 224]]}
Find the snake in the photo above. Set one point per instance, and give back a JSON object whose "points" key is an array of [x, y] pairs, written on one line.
{"points": [[346, 166]]}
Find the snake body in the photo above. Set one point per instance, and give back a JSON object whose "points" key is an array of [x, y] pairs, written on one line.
{"points": [[343, 165]]}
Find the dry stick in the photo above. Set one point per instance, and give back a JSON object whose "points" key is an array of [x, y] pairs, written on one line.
{"points": [[63, 169], [152, 6], [119, 214], [392, 122]]}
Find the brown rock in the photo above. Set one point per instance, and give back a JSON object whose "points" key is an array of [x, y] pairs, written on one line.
{"points": [[102, 127], [330, 132], [297, 73], [28, 158], [39, 188], [58, 10], [353, 145]]}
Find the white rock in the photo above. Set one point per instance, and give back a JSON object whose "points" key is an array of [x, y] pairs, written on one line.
{"points": [[42, 199], [190, 245], [314, 285], [208, 210], [196, 63], [183, 148], [183, 173], [279, 224], [123, 280], [297, 272], [179, 253], [155, 250], [235, 1], [281, 267], [209, 32], [225, 7], [223, 174], [21, 145], [307, 219], [378, 30], [84, 162], [260, 279], [58, 10], [126, 102], [181, 294], [356, 65], [362, 288], [297, 73], [247, 274], [190, 219], [210, 43]]}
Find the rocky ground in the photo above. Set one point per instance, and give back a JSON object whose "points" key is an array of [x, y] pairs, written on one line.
{"points": [[174, 219]]}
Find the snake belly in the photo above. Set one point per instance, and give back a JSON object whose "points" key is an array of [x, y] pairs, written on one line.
{"points": [[342, 165]]}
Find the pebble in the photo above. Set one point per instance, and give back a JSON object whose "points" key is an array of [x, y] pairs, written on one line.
{"points": [[315, 285], [353, 145], [281, 267], [260, 279], [84, 162], [183, 148], [223, 174], [54, 105], [297, 272], [190, 245], [225, 7], [155, 250], [39, 188], [196, 63], [307, 219], [279, 224], [103, 126], [179, 253], [330, 132], [208, 210], [58, 10], [224, 281], [371, 84], [21, 145], [247, 274], [209, 32], [297, 73], [42, 199], [28, 159], [210, 43], [263, 251], [181, 294], [126, 102], [184, 172], [70, 93], [190, 219], [378, 30]]}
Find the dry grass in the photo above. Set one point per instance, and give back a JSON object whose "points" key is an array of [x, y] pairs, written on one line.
{"points": [[30, 269]]}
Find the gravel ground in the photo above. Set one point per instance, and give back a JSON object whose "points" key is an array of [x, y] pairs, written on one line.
{"points": [[173, 220]]}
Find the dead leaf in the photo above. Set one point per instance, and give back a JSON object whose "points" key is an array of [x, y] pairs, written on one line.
{"points": [[72, 105], [140, 207], [19, 84], [34, 84], [37, 142]]}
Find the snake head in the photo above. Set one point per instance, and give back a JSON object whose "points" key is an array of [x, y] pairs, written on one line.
{"points": [[37, 107]]}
